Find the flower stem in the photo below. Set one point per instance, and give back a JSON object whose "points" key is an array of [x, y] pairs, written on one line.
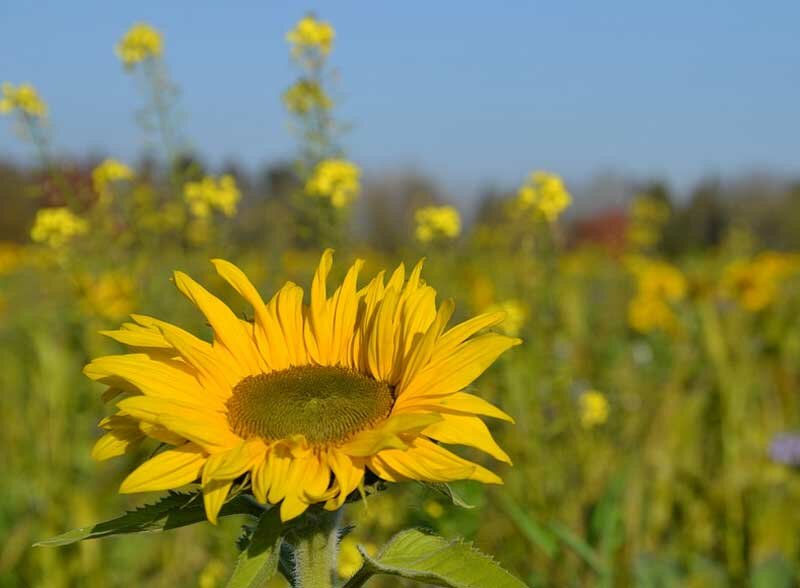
{"points": [[315, 545]]}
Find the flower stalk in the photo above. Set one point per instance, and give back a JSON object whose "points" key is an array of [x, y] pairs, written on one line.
{"points": [[314, 547]]}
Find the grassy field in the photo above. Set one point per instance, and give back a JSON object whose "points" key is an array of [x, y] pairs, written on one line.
{"points": [[648, 393]]}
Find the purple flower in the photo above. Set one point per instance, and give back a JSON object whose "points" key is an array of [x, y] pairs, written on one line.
{"points": [[785, 449]]}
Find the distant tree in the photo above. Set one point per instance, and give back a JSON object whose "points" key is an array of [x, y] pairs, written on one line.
{"points": [[388, 205], [269, 196], [703, 221], [791, 227], [492, 205], [17, 208]]}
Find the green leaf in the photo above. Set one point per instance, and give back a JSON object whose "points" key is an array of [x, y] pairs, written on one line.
{"points": [[447, 491], [259, 562], [418, 556], [170, 512]]}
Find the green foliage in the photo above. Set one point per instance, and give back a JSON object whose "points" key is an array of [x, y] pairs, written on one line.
{"points": [[774, 572], [258, 563], [176, 510], [674, 488], [418, 556], [534, 531]]}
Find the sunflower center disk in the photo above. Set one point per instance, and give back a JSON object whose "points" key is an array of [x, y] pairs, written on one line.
{"points": [[324, 403]]}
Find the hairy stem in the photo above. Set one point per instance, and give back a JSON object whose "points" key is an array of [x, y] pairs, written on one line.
{"points": [[315, 546]]}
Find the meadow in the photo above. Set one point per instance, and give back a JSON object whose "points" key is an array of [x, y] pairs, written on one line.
{"points": [[654, 394]]}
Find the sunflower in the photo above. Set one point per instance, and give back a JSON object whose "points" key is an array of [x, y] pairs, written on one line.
{"points": [[303, 399]]}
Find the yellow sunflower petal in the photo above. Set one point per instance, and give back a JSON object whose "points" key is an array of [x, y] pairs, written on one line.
{"points": [[381, 347], [398, 277], [161, 434], [152, 378], [237, 460], [287, 306], [278, 461], [217, 378], [169, 469], [414, 281], [466, 430], [372, 294], [345, 310], [346, 474], [316, 481], [460, 402], [319, 315], [268, 333], [116, 442], [387, 435], [204, 428], [137, 336], [459, 369], [463, 331], [308, 479], [418, 312], [421, 353], [292, 505], [214, 494], [429, 462], [227, 327], [260, 480]]}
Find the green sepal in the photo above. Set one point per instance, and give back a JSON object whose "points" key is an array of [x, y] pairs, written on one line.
{"points": [[448, 492], [258, 562]]}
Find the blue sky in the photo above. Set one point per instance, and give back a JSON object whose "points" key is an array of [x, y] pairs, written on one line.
{"points": [[470, 92]]}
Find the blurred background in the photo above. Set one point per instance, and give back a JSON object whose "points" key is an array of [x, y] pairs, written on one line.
{"points": [[623, 181]]}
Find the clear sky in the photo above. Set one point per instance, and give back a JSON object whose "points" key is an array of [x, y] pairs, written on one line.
{"points": [[470, 92]]}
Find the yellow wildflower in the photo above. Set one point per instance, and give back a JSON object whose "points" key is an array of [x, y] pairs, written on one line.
{"points": [[593, 409], [140, 42], [433, 509], [12, 256], [437, 222], [658, 278], [213, 575], [304, 96], [647, 218], [545, 194], [382, 511], [649, 313], [212, 194], [198, 230], [336, 179], [108, 172], [56, 226], [516, 314], [311, 34], [482, 291], [658, 286], [755, 283], [110, 295], [24, 99], [349, 560]]}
